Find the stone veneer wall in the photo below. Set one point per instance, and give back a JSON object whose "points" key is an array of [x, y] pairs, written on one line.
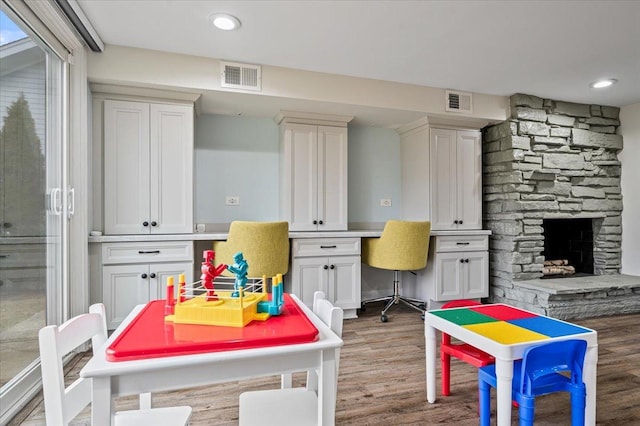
{"points": [[552, 159]]}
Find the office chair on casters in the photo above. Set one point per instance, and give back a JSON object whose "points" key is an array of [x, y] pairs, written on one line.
{"points": [[264, 245], [539, 373], [403, 246]]}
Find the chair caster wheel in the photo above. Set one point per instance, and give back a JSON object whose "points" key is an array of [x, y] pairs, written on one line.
{"points": [[384, 318]]}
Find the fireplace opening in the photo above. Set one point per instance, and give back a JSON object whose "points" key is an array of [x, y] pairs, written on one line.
{"points": [[568, 247]]}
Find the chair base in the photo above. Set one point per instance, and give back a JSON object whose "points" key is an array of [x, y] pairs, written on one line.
{"points": [[395, 298]]}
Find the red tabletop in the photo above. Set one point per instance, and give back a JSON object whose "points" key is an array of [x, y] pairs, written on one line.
{"points": [[149, 336]]}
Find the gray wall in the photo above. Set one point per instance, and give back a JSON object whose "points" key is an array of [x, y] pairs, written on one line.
{"points": [[238, 156]]}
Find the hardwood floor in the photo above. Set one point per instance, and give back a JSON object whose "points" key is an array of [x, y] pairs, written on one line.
{"points": [[382, 380]]}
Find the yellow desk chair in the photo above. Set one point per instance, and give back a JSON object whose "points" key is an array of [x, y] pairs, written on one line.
{"points": [[264, 245], [403, 246]]}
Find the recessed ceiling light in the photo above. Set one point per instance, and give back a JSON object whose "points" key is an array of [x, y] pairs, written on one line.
{"points": [[225, 21], [600, 84]]}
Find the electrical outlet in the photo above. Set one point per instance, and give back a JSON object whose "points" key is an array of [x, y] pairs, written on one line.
{"points": [[232, 200], [385, 202]]}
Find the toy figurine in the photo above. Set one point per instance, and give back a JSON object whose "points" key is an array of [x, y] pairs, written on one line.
{"points": [[209, 273], [240, 268]]}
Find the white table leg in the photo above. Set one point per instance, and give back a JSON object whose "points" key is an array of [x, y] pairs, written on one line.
{"points": [[102, 403], [504, 375], [327, 389], [430, 348], [590, 379], [145, 401]]}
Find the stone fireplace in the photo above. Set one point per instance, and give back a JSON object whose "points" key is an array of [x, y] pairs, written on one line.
{"points": [[551, 164], [568, 247]]}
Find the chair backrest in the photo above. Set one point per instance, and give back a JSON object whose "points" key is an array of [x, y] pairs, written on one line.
{"points": [[541, 360], [403, 246], [332, 316], [63, 404], [264, 245], [461, 303]]}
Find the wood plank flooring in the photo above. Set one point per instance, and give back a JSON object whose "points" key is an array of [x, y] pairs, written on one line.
{"points": [[382, 380]]}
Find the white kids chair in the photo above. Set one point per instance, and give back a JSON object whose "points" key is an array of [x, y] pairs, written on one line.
{"points": [[292, 406], [62, 404]]}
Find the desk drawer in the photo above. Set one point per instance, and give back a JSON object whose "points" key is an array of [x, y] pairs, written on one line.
{"points": [[451, 243], [309, 247], [147, 252]]}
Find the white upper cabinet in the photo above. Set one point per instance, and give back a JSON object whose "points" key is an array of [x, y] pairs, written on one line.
{"points": [[456, 182], [148, 168], [313, 165]]}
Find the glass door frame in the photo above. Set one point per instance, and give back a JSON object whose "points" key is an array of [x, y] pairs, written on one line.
{"points": [[70, 296]]}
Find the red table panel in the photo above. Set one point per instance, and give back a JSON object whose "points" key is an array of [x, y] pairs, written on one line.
{"points": [[149, 336]]}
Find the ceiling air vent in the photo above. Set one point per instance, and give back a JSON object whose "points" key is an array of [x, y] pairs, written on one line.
{"points": [[458, 101], [241, 76]]}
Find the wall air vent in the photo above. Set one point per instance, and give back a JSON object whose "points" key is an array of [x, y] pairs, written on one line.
{"points": [[456, 101], [240, 76]]}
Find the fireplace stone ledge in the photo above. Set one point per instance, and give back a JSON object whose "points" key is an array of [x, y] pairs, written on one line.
{"points": [[574, 298]]}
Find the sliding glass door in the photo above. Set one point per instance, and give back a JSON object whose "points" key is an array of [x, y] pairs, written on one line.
{"points": [[32, 202]]}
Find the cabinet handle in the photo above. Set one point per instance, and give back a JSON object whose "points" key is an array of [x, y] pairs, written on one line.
{"points": [[3, 256], [466, 243], [148, 251], [455, 221], [319, 222], [459, 222], [325, 267], [315, 222], [154, 223], [333, 266], [153, 275], [461, 260], [145, 223], [328, 246], [466, 261], [144, 276]]}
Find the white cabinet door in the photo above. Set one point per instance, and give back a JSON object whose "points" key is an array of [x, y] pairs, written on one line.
{"points": [[126, 167], [332, 178], [125, 286], [461, 275], [302, 195], [475, 275], [456, 182], [148, 161], [309, 276], [448, 279], [344, 281], [314, 177], [469, 180], [171, 171]]}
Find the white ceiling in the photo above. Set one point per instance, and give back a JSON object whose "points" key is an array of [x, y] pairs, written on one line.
{"points": [[551, 49]]}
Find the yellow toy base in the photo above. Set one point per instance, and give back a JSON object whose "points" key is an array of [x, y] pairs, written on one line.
{"points": [[226, 311]]}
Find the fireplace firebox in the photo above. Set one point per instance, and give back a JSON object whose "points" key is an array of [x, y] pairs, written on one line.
{"points": [[568, 247]]}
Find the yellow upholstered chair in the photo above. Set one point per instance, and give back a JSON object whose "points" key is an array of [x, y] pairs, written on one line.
{"points": [[403, 246], [264, 245]]}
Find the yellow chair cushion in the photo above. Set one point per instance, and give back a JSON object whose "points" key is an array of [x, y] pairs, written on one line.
{"points": [[403, 246], [264, 245]]}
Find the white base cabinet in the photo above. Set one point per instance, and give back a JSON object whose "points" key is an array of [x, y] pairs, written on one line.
{"points": [[135, 273], [457, 268], [331, 265]]}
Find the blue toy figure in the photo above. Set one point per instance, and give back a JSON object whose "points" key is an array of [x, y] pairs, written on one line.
{"points": [[240, 268]]}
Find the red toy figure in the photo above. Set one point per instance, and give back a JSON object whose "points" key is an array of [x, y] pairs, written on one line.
{"points": [[209, 273]]}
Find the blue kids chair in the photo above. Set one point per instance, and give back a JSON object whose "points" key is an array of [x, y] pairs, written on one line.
{"points": [[538, 373]]}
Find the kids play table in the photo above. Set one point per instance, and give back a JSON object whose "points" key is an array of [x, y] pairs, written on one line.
{"points": [[118, 370], [506, 332]]}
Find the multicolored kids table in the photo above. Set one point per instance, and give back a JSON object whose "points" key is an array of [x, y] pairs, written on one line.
{"points": [[505, 332]]}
